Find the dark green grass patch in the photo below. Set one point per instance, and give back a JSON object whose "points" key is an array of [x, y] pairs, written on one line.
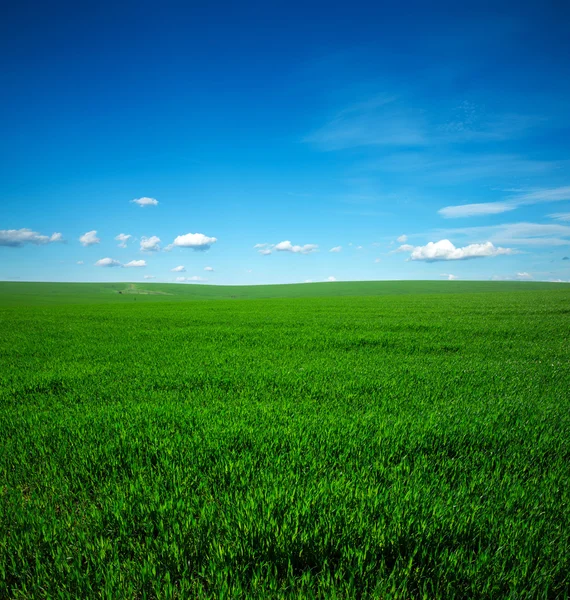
{"points": [[396, 446]]}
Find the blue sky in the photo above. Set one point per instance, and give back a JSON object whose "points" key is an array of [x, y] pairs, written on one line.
{"points": [[241, 143]]}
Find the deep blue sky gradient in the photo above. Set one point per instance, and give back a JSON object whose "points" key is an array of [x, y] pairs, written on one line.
{"points": [[346, 124]]}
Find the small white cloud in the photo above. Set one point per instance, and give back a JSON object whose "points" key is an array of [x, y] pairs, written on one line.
{"points": [[257, 246], [179, 269], [195, 241], [150, 277], [80, 262], [308, 281], [445, 250], [524, 275], [377, 260], [123, 238], [331, 278], [556, 280], [90, 238], [286, 246], [336, 249], [151, 244], [108, 262], [136, 263], [249, 270], [144, 201], [449, 276], [56, 237], [264, 251], [402, 239], [360, 247], [208, 269]]}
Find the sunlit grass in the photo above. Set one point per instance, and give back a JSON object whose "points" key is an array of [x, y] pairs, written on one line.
{"points": [[394, 446]]}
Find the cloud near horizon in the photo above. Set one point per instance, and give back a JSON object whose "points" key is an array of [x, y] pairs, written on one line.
{"points": [[15, 238], [445, 250]]}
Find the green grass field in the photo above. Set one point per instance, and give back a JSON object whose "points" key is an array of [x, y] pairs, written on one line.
{"points": [[346, 440]]}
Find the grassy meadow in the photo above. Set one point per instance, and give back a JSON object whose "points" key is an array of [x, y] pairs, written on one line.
{"points": [[340, 440]]}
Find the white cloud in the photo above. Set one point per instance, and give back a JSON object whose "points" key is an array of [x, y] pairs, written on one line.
{"points": [[560, 216], [56, 237], [179, 269], [108, 262], [331, 278], [402, 239], [136, 263], [264, 251], [150, 277], [257, 246], [449, 276], [80, 262], [208, 269], [308, 281], [377, 260], [150, 244], [360, 247], [445, 250], [511, 203], [195, 241], [123, 238], [286, 246], [144, 201], [90, 238], [524, 275], [336, 249]]}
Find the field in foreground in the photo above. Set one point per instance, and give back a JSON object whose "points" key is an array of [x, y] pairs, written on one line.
{"points": [[405, 445]]}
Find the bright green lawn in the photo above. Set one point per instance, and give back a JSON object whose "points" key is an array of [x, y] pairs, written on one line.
{"points": [[404, 445]]}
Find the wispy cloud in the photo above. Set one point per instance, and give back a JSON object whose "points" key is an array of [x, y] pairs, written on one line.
{"points": [[380, 121], [518, 234], [449, 276], [511, 203], [179, 269], [560, 216], [336, 249], [20, 237]]}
